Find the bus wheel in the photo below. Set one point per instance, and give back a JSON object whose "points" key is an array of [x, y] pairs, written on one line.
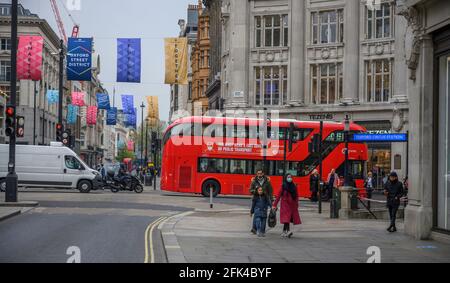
{"points": [[206, 188], [3, 185]]}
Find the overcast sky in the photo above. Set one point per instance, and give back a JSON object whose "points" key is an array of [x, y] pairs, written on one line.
{"points": [[106, 20]]}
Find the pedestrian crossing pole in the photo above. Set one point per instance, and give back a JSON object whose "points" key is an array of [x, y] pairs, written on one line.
{"points": [[211, 204]]}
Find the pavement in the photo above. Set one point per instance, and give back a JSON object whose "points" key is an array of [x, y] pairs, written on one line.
{"points": [[224, 237]]}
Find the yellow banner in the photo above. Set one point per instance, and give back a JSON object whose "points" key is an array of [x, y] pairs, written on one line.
{"points": [[176, 60], [152, 106], [153, 123]]}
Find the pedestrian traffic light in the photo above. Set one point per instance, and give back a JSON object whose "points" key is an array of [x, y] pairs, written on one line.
{"points": [[154, 143], [66, 135], [10, 123], [59, 132], [20, 124]]}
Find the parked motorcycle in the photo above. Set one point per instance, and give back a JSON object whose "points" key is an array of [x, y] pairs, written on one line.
{"points": [[125, 183]]}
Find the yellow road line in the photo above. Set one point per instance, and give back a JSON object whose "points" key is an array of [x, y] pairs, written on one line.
{"points": [[149, 257]]}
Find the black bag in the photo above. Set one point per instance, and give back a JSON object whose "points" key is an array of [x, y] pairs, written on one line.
{"points": [[272, 219]]}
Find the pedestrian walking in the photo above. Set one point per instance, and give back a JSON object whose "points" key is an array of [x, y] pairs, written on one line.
{"points": [[369, 186], [393, 190], [260, 204], [314, 183], [264, 182], [288, 199], [332, 182]]}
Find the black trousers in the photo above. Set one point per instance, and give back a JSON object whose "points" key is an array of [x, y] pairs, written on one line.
{"points": [[286, 227], [393, 213]]}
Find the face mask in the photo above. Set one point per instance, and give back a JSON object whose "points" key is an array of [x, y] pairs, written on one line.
{"points": [[289, 180]]}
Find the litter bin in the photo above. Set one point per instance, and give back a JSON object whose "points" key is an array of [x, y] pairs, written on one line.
{"points": [[335, 203], [148, 180], [354, 199]]}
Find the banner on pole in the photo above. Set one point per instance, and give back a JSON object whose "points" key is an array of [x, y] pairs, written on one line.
{"points": [[152, 107], [92, 115], [130, 119], [29, 57], [52, 96], [79, 59], [176, 50], [128, 104], [103, 101], [130, 145], [129, 60], [78, 98], [111, 116], [72, 113]]}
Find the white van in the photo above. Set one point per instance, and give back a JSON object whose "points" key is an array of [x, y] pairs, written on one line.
{"points": [[54, 166]]}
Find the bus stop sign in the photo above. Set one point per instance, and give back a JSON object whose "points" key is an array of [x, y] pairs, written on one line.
{"points": [[379, 138]]}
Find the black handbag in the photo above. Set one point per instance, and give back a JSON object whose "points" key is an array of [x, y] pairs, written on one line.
{"points": [[272, 219]]}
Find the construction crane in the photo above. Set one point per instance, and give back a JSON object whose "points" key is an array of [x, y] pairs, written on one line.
{"points": [[62, 31]]}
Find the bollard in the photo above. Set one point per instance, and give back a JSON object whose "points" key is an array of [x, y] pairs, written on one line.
{"points": [[211, 205]]}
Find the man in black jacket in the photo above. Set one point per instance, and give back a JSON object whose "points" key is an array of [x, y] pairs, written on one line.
{"points": [[264, 182], [393, 190]]}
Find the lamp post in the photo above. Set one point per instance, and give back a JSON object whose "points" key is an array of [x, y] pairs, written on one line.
{"points": [[142, 134], [61, 82], [146, 141], [346, 133]]}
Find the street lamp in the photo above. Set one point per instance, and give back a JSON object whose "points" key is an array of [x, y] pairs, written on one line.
{"points": [[142, 134], [346, 134], [146, 140]]}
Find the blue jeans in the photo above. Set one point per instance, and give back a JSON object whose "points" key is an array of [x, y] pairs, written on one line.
{"points": [[261, 224]]}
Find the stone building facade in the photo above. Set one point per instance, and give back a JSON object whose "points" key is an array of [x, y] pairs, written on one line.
{"points": [[320, 60], [200, 59], [427, 52], [46, 115], [181, 95]]}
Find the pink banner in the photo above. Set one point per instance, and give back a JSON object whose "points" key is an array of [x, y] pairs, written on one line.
{"points": [[92, 115], [78, 98], [130, 145], [29, 58]]}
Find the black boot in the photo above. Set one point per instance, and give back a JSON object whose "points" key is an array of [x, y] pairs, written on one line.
{"points": [[394, 229], [390, 228]]}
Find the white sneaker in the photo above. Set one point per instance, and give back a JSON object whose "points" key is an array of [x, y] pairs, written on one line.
{"points": [[283, 235]]}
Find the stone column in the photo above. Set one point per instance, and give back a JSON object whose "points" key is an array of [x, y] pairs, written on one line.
{"points": [[346, 208], [419, 212], [351, 51], [239, 52], [297, 52], [400, 70]]}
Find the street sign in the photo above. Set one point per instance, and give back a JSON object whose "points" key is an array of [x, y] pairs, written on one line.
{"points": [[379, 138]]}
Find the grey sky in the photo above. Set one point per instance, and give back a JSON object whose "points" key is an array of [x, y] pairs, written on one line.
{"points": [[106, 20]]}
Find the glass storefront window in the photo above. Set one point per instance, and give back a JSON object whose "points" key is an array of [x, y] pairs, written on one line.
{"points": [[443, 195]]}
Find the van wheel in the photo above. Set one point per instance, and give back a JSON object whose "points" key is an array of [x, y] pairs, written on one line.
{"points": [[84, 186], [3, 185], [206, 188]]}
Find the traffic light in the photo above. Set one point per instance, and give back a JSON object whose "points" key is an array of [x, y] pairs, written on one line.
{"points": [[66, 136], [314, 145], [154, 145], [20, 131], [10, 123], [59, 132]]}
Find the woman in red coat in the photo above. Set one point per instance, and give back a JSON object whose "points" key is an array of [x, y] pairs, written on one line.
{"points": [[288, 196]]}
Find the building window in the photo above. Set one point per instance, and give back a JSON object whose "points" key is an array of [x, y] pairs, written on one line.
{"points": [[271, 85], [271, 31], [379, 22], [5, 44], [326, 83], [327, 27], [5, 71], [378, 80], [4, 11]]}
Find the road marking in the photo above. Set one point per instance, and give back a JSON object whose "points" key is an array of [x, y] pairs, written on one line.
{"points": [[173, 247], [150, 257]]}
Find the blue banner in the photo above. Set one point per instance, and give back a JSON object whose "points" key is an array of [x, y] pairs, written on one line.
{"points": [[72, 114], [79, 59], [130, 119], [52, 96], [103, 101], [380, 138], [127, 104], [111, 116], [129, 60]]}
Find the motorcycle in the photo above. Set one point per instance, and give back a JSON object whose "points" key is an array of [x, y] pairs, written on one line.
{"points": [[127, 183]]}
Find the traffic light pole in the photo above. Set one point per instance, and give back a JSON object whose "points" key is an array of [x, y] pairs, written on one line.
{"points": [[320, 167], [61, 82], [11, 178]]}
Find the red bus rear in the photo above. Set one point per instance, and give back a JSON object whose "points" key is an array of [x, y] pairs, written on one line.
{"points": [[200, 152]]}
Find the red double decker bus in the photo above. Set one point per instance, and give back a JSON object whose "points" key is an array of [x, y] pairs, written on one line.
{"points": [[225, 153]]}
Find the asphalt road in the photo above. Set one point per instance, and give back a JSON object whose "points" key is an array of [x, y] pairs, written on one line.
{"points": [[103, 227]]}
